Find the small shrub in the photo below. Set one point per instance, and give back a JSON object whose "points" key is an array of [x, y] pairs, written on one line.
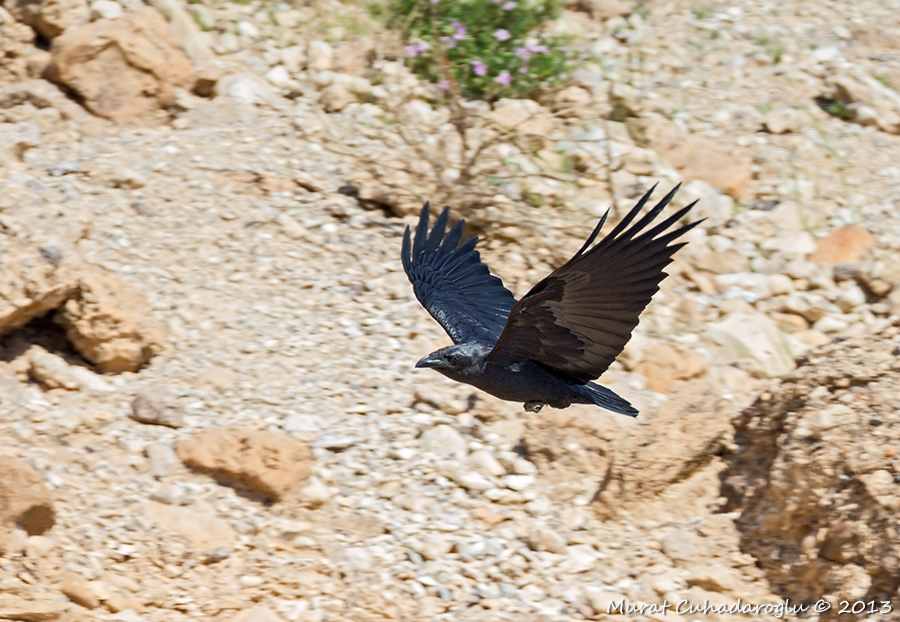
{"points": [[838, 109], [834, 107], [484, 48]]}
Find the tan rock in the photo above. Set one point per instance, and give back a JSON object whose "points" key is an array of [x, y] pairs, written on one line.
{"points": [[267, 463], [812, 337], [78, 589], [106, 320], [31, 285], [54, 372], [157, 406], [277, 185], [434, 547], [699, 157], [37, 547], [728, 261], [244, 88], [782, 121], [848, 244], [291, 227], [320, 56], [335, 98], [583, 455], [665, 366], [25, 501], [31, 609], [124, 67], [813, 473], [755, 340], [117, 601], [50, 17], [541, 537], [314, 493], [201, 530], [161, 459], [444, 440]]}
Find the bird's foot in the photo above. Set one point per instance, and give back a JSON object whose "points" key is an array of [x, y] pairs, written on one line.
{"points": [[534, 407]]}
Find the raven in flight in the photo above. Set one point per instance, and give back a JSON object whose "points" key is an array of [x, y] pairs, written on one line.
{"points": [[547, 347]]}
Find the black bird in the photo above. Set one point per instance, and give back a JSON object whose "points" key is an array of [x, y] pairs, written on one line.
{"points": [[545, 348]]}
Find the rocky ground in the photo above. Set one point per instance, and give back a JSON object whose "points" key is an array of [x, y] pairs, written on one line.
{"points": [[207, 397]]}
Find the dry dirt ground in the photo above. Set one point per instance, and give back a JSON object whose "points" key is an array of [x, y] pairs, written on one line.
{"points": [[208, 407]]}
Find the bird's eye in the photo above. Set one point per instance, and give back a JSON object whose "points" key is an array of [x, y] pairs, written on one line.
{"points": [[451, 358]]}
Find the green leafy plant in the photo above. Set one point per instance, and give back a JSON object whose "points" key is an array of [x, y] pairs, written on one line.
{"points": [[838, 109], [482, 49]]}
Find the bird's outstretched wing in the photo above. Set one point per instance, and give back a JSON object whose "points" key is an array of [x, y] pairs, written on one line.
{"points": [[454, 286], [577, 320]]}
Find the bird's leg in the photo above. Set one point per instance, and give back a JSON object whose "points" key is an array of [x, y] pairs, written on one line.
{"points": [[534, 407]]}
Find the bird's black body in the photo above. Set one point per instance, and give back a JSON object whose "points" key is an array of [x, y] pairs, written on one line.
{"points": [[546, 348]]}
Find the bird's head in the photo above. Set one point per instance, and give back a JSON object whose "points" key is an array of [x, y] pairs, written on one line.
{"points": [[456, 358]]}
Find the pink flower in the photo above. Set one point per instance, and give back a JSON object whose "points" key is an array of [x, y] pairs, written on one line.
{"points": [[450, 42], [479, 68], [443, 84], [501, 34], [415, 49], [509, 6], [504, 78], [528, 49], [460, 33]]}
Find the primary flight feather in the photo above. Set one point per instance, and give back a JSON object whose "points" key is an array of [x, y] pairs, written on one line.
{"points": [[547, 347]]}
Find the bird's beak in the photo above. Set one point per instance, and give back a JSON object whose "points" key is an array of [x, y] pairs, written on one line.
{"points": [[429, 361]]}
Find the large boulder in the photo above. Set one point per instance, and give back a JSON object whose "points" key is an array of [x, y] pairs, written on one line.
{"points": [[815, 474], [33, 280], [50, 18], [615, 460], [123, 67], [106, 320]]}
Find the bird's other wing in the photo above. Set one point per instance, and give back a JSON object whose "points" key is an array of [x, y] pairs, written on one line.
{"points": [[578, 319], [454, 286]]}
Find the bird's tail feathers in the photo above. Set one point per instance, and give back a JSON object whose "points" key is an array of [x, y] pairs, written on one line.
{"points": [[605, 398]]}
